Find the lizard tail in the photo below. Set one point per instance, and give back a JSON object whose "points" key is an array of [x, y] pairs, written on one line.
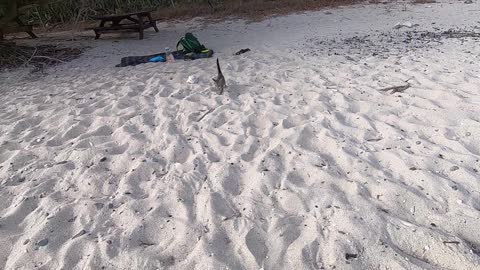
{"points": [[218, 67]]}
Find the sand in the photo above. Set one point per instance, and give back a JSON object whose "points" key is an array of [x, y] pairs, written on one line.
{"points": [[303, 163]]}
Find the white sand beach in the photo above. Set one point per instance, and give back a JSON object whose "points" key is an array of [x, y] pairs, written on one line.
{"points": [[303, 163]]}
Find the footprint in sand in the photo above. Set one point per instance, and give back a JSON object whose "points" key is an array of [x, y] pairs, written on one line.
{"points": [[255, 242]]}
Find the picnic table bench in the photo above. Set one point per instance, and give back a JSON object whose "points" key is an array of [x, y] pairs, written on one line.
{"points": [[131, 22]]}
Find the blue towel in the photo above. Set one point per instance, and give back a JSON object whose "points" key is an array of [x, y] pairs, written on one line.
{"points": [[155, 59]]}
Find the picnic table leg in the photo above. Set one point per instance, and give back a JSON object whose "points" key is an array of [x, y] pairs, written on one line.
{"points": [[97, 33], [116, 22], [32, 35], [152, 22], [140, 27], [29, 28]]}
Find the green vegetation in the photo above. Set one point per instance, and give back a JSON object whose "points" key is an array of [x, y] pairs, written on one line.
{"points": [[67, 11], [51, 12]]}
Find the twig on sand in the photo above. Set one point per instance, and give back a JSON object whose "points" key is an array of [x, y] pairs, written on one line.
{"points": [[451, 242], [396, 89], [146, 244], [33, 54], [236, 215], [205, 114]]}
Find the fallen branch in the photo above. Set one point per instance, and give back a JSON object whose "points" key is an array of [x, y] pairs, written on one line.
{"points": [[14, 56], [33, 54], [49, 58]]}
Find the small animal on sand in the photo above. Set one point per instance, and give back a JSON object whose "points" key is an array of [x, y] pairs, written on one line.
{"points": [[220, 80]]}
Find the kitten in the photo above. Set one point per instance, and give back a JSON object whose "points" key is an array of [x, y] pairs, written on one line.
{"points": [[220, 80]]}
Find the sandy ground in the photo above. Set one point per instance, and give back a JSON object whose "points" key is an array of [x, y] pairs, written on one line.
{"points": [[304, 162]]}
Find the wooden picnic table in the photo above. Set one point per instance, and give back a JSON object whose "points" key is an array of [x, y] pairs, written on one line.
{"points": [[132, 22]]}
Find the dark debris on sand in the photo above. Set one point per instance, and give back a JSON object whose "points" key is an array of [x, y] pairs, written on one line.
{"points": [[385, 44], [13, 56]]}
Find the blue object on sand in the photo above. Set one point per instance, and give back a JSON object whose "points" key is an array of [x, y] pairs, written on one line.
{"points": [[157, 59]]}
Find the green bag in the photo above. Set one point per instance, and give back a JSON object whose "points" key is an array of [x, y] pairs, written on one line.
{"points": [[190, 44]]}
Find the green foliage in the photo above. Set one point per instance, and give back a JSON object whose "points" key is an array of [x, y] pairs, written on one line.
{"points": [[9, 9], [70, 10], [65, 11]]}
